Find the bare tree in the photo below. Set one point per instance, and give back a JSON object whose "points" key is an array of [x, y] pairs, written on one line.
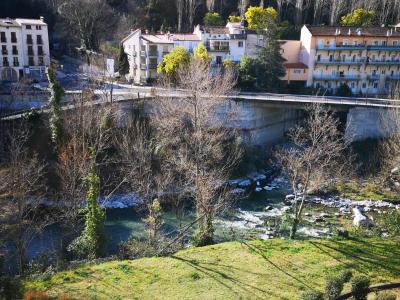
{"points": [[313, 160], [194, 141], [89, 18], [22, 189], [180, 10], [191, 8]]}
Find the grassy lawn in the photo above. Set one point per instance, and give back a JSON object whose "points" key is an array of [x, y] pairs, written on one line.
{"points": [[274, 269]]}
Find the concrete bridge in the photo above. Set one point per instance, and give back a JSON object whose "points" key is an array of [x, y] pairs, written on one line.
{"points": [[263, 118]]}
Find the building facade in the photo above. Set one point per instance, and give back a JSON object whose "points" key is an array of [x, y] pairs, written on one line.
{"points": [[24, 49], [233, 41], [366, 59]]}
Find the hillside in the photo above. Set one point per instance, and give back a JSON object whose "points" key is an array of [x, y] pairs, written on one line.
{"points": [[274, 269]]}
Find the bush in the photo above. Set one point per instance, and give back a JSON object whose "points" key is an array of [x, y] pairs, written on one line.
{"points": [[9, 288], [360, 287], [386, 296], [135, 248], [345, 276], [312, 295], [333, 287], [391, 222], [35, 295]]}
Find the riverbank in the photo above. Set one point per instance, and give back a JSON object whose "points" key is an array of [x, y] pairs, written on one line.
{"points": [[273, 269]]}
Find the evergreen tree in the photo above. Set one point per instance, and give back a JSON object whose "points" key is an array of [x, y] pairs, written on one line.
{"points": [[269, 66], [123, 63]]}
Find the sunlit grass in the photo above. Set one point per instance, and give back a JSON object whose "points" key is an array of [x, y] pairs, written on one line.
{"points": [[275, 269]]}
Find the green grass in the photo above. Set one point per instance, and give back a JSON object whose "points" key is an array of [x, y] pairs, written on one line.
{"points": [[275, 269], [369, 191]]}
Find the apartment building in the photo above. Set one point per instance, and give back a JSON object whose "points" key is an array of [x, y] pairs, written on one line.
{"points": [[24, 45], [366, 59], [146, 51]]}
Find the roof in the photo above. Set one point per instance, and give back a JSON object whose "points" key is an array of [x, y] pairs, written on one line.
{"points": [[184, 37], [157, 38], [9, 23], [295, 66], [31, 21], [215, 29], [352, 31]]}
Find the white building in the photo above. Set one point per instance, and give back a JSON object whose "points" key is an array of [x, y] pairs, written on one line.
{"points": [[24, 48], [146, 51]]}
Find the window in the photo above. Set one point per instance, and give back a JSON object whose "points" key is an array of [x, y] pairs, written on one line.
{"points": [[218, 60], [345, 42], [40, 50], [373, 72], [16, 62], [30, 50], [240, 44], [384, 43], [38, 27], [14, 50], [13, 37], [5, 61], [395, 43], [355, 42], [40, 42], [343, 57], [364, 85], [331, 57], [352, 85], [391, 73], [375, 85], [28, 27], [29, 39], [329, 84], [41, 61], [3, 38], [31, 61], [296, 71], [376, 43], [4, 50], [319, 57]]}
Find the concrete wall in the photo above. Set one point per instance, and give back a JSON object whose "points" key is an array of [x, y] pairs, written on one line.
{"points": [[364, 123]]}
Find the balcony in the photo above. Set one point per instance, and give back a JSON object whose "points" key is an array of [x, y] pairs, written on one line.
{"points": [[240, 36], [339, 62], [153, 66], [152, 53], [374, 77], [385, 63], [218, 49], [336, 77], [384, 48], [342, 47], [143, 67], [393, 77]]}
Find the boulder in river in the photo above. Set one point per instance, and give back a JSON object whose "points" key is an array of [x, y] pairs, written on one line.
{"points": [[359, 218]]}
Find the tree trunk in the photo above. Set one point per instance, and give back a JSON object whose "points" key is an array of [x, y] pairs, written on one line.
{"points": [[293, 230]]}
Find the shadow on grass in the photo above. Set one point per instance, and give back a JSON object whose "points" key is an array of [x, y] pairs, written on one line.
{"points": [[260, 251], [363, 255], [212, 270]]}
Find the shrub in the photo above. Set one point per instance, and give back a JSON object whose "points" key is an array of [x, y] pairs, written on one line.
{"points": [[386, 296], [9, 288], [345, 276], [333, 287], [391, 222], [35, 295], [312, 295], [360, 287]]}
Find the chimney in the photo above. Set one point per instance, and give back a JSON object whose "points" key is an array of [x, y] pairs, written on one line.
{"points": [[146, 31], [168, 35], [349, 31], [42, 18]]}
